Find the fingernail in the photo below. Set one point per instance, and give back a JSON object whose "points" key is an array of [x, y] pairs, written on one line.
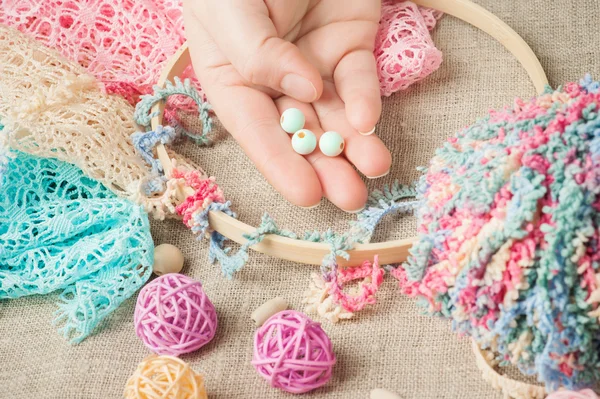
{"points": [[311, 207], [355, 211], [377, 177], [298, 87], [368, 133]]}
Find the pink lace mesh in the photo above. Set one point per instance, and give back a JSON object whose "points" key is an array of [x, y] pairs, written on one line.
{"points": [[404, 49], [124, 43], [430, 16]]}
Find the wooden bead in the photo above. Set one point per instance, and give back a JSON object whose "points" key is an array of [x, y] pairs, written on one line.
{"points": [[268, 309], [292, 120], [331, 144], [167, 259], [304, 142], [379, 393]]}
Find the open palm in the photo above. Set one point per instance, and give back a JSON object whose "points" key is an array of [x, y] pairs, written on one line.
{"points": [[256, 58]]}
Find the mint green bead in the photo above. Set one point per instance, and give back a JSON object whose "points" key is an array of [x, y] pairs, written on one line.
{"points": [[331, 144], [292, 120], [304, 142]]}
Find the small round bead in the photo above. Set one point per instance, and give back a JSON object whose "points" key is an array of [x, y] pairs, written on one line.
{"points": [[331, 144], [167, 259], [304, 142], [292, 120]]}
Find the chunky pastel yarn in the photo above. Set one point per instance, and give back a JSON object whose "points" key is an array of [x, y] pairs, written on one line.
{"points": [[173, 315], [293, 352], [164, 377], [509, 235]]}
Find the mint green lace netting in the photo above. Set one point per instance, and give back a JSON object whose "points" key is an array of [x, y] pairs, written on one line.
{"points": [[60, 230]]}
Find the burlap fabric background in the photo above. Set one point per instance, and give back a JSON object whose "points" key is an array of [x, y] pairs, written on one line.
{"points": [[391, 345]]}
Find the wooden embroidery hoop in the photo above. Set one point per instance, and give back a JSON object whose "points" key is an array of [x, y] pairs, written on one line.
{"points": [[389, 252]]}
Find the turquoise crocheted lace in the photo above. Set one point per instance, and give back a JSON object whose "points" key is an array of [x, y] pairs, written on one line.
{"points": [[62, 231]]}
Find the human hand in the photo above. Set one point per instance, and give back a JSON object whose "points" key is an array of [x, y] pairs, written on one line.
{"points": [[257, 58]]}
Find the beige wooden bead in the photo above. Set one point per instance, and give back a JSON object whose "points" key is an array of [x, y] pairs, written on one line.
{"points": [[167, 259], [268, 309], [379, 393]]}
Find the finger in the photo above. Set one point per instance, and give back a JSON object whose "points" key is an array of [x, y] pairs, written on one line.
{"points": [[253, 120], [339, 181], [247, 37], [357, 84], [330, 13], [349, 61], [367, 153]]}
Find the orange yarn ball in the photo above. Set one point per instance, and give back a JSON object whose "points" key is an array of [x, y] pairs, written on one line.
{"points": [[164, 377]]}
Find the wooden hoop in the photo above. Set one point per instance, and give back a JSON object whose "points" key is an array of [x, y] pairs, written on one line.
{"points": [[391, 251], [510, 388]]}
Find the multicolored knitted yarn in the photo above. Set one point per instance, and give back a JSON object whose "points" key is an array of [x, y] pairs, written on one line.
{"points": [[207, 196], [509, 235], [63, 231]]}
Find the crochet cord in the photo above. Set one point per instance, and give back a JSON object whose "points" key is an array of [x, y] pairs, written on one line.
{"points": [[143, 114]]}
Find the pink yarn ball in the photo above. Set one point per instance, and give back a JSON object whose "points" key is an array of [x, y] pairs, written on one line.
{"points": [[173, 315], [293, 352]]}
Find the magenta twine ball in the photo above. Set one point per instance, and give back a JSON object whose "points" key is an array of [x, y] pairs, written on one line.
{"points": [[293, 352], [173, 315]]}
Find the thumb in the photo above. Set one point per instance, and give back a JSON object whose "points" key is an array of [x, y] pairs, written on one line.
{"points": [[246, 35]]}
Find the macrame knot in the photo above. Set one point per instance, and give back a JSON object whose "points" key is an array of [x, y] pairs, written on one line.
{"points": [[206, 191]]}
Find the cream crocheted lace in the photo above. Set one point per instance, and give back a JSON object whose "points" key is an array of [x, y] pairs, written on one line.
{"points": [[51, 108]]}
